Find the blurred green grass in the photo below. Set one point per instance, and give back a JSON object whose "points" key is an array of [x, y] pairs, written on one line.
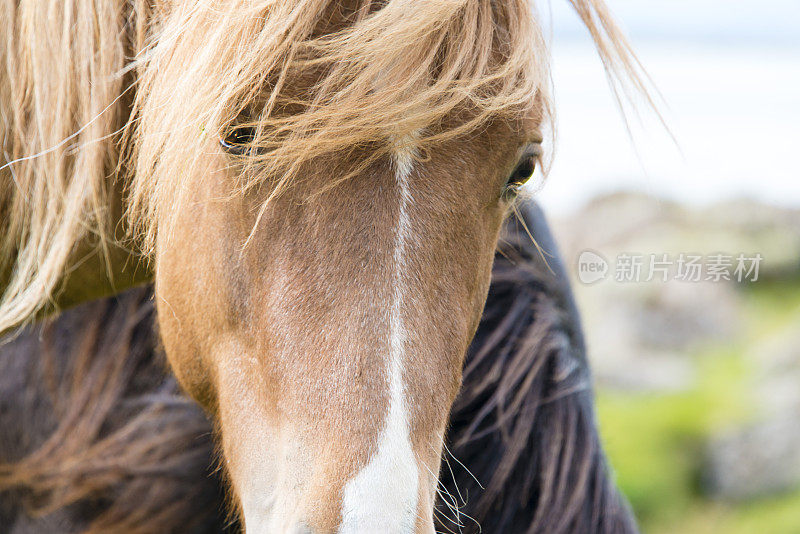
{"points": [[655, 442]]}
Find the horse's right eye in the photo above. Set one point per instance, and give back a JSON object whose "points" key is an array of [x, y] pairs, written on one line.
{"points": [[239, 141]]}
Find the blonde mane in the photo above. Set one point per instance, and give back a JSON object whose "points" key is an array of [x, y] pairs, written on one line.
{"points": [[313, 78]]}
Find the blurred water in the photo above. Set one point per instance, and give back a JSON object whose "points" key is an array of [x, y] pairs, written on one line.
{"points": [[730, 75]]}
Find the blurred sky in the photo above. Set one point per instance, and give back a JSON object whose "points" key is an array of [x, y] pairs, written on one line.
{"points": [[729, 72]]}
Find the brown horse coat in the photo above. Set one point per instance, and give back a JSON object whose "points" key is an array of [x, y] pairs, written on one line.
{"points": [[97, 437]]}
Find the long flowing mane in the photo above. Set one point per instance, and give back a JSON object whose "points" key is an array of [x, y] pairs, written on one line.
{"points": [[99, 97], [61, 86], [96, 435]]}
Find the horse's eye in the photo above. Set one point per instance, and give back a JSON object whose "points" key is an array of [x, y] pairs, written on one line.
{"points": [[521, 174], [239, 140]]}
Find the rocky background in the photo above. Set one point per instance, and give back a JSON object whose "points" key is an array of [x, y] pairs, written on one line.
{"points": [[698, 383]]}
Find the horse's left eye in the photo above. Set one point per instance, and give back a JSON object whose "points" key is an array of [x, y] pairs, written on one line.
{"points": [[521, 174], [239, 140]]}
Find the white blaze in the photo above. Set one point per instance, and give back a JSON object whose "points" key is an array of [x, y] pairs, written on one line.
{"points": [[382, 497]]}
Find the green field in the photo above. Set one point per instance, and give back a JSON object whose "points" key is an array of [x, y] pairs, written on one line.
{"points": [[655, 442]]}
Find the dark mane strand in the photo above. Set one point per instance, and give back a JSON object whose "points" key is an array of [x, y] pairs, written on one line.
{"points": [[96, 437], [524, 422]]}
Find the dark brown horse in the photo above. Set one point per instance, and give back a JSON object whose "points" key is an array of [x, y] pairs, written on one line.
{"points": [[98, 438]]}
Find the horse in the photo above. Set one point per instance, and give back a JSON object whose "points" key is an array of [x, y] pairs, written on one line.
{"points": [[99, 437], [316, 190]]}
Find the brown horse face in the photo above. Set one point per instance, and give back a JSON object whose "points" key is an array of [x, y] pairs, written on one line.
{"points": [[329, 349]]}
